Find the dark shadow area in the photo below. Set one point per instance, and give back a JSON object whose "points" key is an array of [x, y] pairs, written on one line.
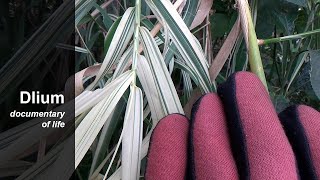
{"points": [[32, 60]]}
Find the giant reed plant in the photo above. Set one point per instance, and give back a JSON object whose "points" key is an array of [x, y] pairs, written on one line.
{"points": [[139, 53]]}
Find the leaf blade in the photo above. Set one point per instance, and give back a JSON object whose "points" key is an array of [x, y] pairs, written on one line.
{"points": [[132, 137]]}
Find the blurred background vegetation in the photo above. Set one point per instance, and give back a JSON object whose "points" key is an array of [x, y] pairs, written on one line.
{"points": [[36, 66], [19, 20]]}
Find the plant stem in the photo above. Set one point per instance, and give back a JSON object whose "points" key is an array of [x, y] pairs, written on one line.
{"points": [[136, 41], [287, 38], [251, 41]]}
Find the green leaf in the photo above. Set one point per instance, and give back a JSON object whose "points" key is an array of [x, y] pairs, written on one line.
{"points": [[274, 13], [117, 46], [110, 35], [184, 41], [190, 11], [286, 21], [106, 19], [304, 88], [85, 19], [300, 61], [219, 24], [188, 15], [302, 3], [181, 65], [315, 71], [81, 9]]}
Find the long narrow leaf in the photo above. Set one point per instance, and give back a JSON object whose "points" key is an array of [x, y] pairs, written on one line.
{"points": [[87, 101], [117, 46], [151, 89], [184, 41], [132, 137], [106, 135], [160, 74], [91, 125]]}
